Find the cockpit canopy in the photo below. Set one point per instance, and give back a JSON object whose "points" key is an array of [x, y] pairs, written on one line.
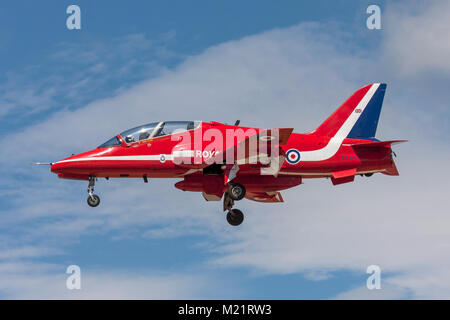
{"points": [[151, 130]]}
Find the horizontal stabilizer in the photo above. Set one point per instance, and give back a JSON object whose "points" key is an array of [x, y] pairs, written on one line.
{"points": [[387, 143]]}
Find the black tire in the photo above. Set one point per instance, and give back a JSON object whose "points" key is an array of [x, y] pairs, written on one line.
{"points": [[235, 217], [93, 201], [368, 174], [236, 191]]}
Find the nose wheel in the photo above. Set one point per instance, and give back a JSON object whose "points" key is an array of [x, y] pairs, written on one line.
{"points": [[93, 200], [234, 216]]}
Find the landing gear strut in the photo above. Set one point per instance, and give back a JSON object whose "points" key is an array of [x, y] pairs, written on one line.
{"points": [[93, 200], [234, 216]]}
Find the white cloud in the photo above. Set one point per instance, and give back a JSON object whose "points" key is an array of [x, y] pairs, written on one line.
{"points": [[77, 71], [418, 37], [24, 280], [387, 292], [26, 252]]}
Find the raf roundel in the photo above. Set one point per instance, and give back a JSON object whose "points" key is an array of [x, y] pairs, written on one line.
{"points": [[293, 156]]}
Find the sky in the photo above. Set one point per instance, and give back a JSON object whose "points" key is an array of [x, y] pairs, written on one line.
{"points": [[283, 64]]}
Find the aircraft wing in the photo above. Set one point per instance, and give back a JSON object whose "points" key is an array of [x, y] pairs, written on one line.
{"points": [[256, 147], [269, 196]]}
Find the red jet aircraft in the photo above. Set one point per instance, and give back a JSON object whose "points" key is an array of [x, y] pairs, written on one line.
{"points": [[233, 162]]}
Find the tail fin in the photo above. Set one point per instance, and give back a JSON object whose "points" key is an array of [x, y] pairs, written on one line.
{"points": [[358, 116]]}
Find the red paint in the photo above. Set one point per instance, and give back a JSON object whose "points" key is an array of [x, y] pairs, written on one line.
{"points": [[353, 157]]}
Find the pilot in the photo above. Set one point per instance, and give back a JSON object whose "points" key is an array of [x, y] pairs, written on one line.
{"points": [[144, 135], [129, 139]]}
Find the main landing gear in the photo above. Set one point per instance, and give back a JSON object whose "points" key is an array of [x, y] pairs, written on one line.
{"points": [[235, 192], [93, 200]]}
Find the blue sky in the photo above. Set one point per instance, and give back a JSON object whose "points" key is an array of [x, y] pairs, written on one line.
{"points": [[269, 64]]}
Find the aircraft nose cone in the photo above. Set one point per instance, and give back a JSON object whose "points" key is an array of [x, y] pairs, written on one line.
{"points": [[64, 165], [56, 167], [76, 166], [68, 170]]}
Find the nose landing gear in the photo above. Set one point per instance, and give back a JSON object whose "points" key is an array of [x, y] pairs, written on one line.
{"points": [[234, 216], [93, 200]]}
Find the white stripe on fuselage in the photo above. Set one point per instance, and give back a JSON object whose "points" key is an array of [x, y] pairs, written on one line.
{"points": [[124, 158], [323, 173], [335, 143]]}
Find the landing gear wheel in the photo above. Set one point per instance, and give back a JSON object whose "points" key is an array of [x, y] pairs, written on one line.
{"points": [[93, 200], [235, 217], [236, 191]]}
